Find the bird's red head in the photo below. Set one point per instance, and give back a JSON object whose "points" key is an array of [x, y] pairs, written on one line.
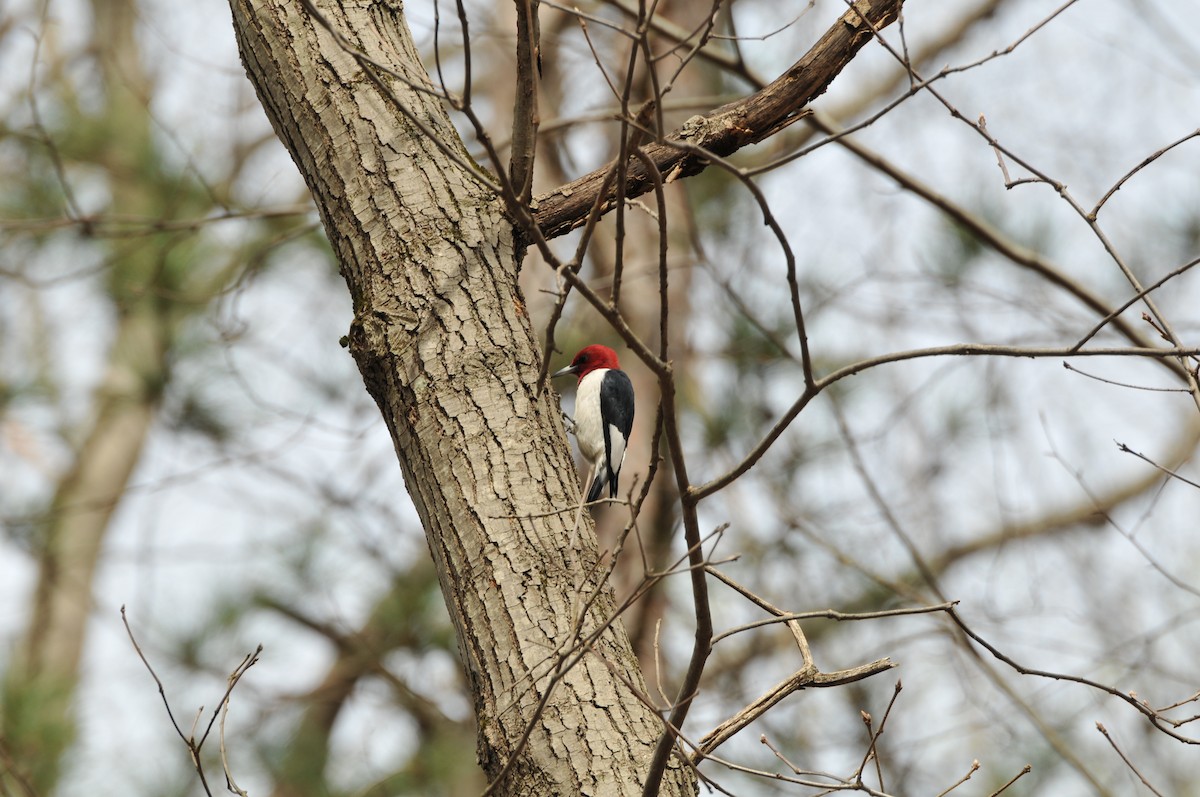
{"points": [[589, 359]]}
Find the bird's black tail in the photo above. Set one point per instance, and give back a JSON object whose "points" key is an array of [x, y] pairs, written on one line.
{"points": [[602, 478], [597, 486]]}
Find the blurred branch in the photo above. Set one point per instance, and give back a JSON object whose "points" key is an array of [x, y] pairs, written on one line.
{"points": [[954, 350], [884, 508], [15, 773], [1156, 719], [361, 653], [43, 135], [116, 225], [1089, 513], [1159, 319], [1162, 570], [990, 236]]}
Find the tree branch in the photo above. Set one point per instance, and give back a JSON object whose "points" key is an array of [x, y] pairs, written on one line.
{"points": [[729, 127], [525, 108]]}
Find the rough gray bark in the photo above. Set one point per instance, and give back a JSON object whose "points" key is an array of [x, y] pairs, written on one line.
{"points": [[447, 351]]}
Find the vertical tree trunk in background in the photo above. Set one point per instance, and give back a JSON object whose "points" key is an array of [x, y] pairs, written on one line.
{"points": [[361, 653], [36, 722], [446, 349]]}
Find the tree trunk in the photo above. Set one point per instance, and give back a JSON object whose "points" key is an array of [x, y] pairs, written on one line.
{"points": [[447, 351]]}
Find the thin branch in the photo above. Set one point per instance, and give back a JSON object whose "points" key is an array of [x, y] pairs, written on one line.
{"points": [[1025, 770], [1019, 41], [954, 350], [873, 748], [828, 614], [1137, 296], [157, 681], [789, 255], [1159, 318], [702, 645], [833, 782], [1127, 450], [1130, 538], [990, 236], [1008, 181], [230, 783], [1153, 717], [1095, 211], [1115, 383], [1104, 732], [974, 768], [193, 744]]}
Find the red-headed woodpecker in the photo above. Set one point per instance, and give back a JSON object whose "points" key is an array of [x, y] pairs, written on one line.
{"points": [[603, 414]]}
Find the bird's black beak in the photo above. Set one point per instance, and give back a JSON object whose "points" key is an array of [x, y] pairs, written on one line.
{"points": [[570, 369]]}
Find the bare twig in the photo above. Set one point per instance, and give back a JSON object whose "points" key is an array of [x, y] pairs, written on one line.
{"points": [[1155, 719], [1008, 181], [1095, 211], [1161, 322], [1025, 770], [1115, 383], [193, 744], [955, 350], [830, 614], [974, 768], [873, 748], [157, 681], [1127, 450], [1104, 732], [831, 783], [994, 238]]}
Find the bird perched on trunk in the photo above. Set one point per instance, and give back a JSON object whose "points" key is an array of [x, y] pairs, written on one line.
{"points": [[603, 414]]}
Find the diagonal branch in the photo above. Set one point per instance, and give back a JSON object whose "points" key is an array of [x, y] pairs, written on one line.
{"points": [[730, 127], [807, 676]]}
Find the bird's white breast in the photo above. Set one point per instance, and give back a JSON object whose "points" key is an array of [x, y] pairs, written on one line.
{"points": [[588, 423]]}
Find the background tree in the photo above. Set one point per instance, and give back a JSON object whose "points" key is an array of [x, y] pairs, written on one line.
{"points": [[923, 479]]}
